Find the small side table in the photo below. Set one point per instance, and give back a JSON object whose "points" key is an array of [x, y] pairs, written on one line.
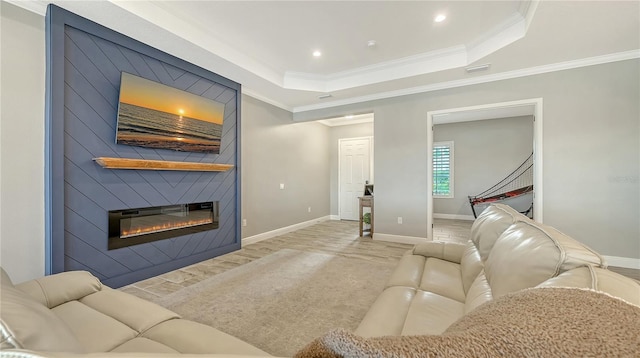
{"points": [[366, 202]]}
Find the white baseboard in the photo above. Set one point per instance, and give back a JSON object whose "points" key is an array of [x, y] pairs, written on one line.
{"points": [[334, 217], [400, 239], [281, 231], [627, 262], [453, 217]]}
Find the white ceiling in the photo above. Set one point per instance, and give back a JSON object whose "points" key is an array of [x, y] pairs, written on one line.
{"points": [[267, 45]]}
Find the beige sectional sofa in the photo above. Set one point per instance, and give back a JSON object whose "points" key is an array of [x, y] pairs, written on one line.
{"points": [[73, 312], [434, 285]]}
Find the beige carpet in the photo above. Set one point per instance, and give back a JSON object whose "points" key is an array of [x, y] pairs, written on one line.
{"points": [[281, 302]]}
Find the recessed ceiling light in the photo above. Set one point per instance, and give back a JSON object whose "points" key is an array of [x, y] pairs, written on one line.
{"points": [[350, 116], [372, 43], [440, 18], [317, 53]]}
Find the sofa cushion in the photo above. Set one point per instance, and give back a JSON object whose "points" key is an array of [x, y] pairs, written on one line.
{"points": [[528, 253], [479, 293], [388, 313], [430, 313], [26, 323], [489, 225], [63, 287], [408, 272], [136, 313], [191, 337], [470, 265], [449, 251], [96, 331], [598, 279], [142, 344], [406, 311], [442, 278]]}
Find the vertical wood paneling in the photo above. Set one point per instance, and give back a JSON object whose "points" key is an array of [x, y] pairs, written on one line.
{"points": [[92, 70]]}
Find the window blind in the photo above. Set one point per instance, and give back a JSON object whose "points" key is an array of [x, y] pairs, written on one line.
{"points": [[442, 169]]}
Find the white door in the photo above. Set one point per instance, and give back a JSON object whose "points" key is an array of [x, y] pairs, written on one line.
{"points": [[355, 169]]}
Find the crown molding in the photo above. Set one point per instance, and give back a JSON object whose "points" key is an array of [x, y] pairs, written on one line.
{"points": [[505, 33], [434, 61], [258, 96], [560, 66], [344, 121]]}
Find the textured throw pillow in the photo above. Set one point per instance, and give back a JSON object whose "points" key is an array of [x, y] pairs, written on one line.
{"points": [[541, 322], [27, 324]]}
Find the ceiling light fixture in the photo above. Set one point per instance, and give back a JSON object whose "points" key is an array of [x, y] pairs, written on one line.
{"points": [[478, 68], [350, 116], [440, 18], [372, 43], [317, 53]]}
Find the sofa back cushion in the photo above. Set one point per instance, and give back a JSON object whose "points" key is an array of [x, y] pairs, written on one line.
{"points": [[598, 279], [27, 324], [529, 253], [470, 265], [479, 293], [491, 223]]}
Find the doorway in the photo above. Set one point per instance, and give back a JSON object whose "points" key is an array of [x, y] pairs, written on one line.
{"points": [[495, 110], [355, 169]]}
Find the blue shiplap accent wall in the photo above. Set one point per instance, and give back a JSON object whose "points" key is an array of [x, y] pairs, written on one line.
{"points": [[85, 61]]}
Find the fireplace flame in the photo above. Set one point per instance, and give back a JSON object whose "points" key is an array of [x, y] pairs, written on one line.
{"points": [[136, 231]]}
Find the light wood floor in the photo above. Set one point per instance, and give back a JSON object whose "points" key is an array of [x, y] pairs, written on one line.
{"points": [[333, 237]]}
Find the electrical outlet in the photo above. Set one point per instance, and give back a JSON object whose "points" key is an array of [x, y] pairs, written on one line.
{"points": [[244, 222], [399, 219], [281, 186], [309, 209]]}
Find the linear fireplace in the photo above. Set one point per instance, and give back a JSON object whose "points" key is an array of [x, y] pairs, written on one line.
{"points": [[136, 226]]}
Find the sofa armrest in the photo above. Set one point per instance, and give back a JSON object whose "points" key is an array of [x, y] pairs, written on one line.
{"points": [[63, 287], [448, 251]]}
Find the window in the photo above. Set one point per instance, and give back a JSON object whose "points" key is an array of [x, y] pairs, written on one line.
{"points": [[443, 170]]}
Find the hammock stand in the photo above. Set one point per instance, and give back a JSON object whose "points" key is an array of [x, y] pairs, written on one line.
{"points": [[515, 190]]}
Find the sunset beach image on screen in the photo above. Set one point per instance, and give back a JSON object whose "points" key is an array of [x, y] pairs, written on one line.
{"points": [[153, 115]]}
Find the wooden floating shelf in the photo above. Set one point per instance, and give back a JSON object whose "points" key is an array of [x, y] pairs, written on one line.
{"points": [[143, 164]]}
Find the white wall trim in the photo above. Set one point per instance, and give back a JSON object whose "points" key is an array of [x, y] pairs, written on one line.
{"points": [[334, 217], [626, 262], [453, 217], [412, 240], [283, 230]]}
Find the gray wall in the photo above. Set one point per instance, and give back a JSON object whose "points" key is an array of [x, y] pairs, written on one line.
{"points": [[591, 151], [337, 133], [485, 152], [22, 69], [276, 150]]}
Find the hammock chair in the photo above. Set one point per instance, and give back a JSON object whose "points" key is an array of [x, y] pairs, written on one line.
{"points": [[516, 190]]}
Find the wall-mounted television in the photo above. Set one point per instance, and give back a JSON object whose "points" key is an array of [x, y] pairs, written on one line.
{"points": [[154, 115]]}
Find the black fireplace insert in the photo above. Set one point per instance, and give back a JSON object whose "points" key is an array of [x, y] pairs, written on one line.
{"points": [[137, 226]]}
